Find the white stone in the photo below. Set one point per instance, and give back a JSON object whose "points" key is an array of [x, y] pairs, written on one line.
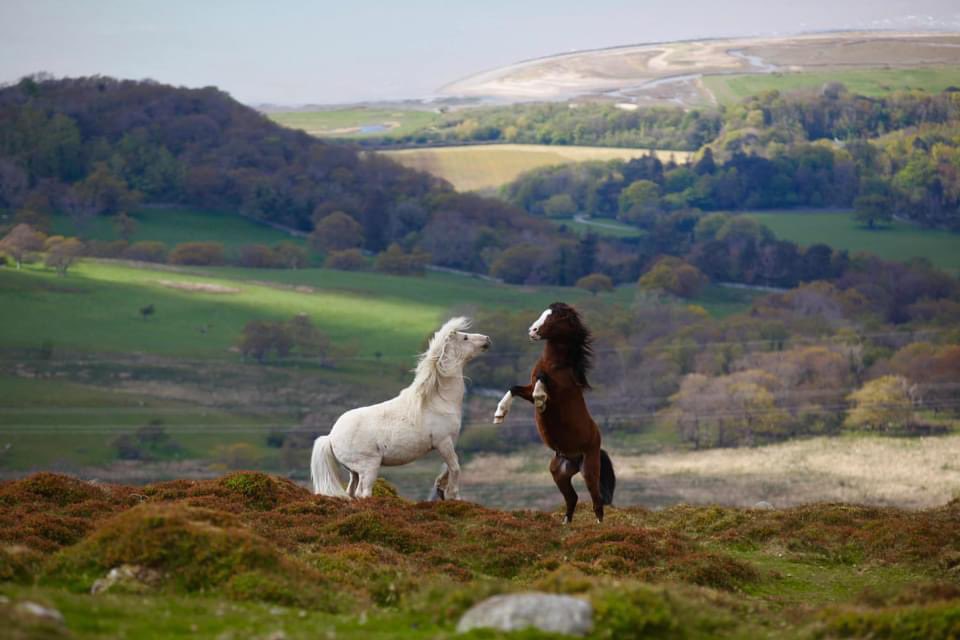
{"points": [[544, 611]]}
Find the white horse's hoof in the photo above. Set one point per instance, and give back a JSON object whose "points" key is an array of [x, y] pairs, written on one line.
{"points": [[540, 402], [498, 418]]}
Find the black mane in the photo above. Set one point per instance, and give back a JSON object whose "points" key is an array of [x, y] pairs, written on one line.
{"points": [[580, 346]]}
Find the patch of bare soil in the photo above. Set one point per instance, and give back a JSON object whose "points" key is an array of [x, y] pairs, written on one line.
{"points": [[200, 287]]}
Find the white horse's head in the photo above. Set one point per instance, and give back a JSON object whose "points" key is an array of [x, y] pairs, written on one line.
{"points": [[451, 347]]}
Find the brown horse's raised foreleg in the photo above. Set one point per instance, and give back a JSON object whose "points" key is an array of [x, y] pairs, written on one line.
{"points": [[591, 476], [503, 408], [563, 470]]}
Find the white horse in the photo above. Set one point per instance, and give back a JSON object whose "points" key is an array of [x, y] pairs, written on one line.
{"points": [[425, 416]]}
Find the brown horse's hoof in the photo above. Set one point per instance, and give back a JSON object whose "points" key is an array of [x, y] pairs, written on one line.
{"points": [[540, 404]]}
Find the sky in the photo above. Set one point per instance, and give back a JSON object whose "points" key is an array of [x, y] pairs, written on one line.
{"points": [[320, 52]]}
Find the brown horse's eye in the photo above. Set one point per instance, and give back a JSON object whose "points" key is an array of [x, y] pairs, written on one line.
{"points": [[464, 337]]}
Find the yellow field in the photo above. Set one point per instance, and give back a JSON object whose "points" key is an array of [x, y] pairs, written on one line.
{"points": [[472, 168]]}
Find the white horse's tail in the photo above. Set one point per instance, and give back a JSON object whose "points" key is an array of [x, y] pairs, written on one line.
{"points": [[323, 470]]}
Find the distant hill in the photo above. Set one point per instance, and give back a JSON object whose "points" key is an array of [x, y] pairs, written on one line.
{"points": [[695, 72], [94, 145]]}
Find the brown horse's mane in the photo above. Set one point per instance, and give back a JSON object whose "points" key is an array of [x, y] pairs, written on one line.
{"points": [[579, 343]]}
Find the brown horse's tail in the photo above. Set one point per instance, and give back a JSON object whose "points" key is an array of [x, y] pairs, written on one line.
{"points": [[608, 480]]}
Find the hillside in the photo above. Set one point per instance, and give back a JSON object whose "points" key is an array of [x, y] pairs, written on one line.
{"points": [[683, 72], [92, 146], [253, 554]]}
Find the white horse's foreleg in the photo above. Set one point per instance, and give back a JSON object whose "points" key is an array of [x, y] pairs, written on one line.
{"points": [[449, 455], [440, 484], [503, 408], [540, 396], [368, 476]]}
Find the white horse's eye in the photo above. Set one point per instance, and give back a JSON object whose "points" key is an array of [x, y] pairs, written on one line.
{"points": [[464, 337]]}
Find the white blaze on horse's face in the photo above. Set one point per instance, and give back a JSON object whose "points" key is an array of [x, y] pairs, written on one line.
{"points": [[534, 330], [471, 344]]}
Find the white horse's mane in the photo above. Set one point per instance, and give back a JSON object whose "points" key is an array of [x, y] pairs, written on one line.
{"points": [[434, 363]]}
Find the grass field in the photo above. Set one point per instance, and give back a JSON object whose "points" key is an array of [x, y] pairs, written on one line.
{"points": [[730, 89], [476, 167], [600, 227], [382, 314], [899, 241], [356, 122], [175, 225]]}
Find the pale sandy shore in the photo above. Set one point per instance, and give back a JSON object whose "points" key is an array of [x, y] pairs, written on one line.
{"points": [[636, 70]]}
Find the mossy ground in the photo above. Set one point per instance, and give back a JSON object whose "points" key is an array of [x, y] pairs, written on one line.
{"points": [[250, 554]]}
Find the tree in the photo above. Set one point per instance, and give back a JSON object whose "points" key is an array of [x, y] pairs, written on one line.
{"points": [[515, 264], [291, 255], [20, 242], [260, 338], [882, 404], [595, 283], [125, 226], [871, 209], [394, 260], [307, 339], [639, 201], [62, 254], [560, 205], [197, 253], [675, 276], [104, 192], [336, 232]]}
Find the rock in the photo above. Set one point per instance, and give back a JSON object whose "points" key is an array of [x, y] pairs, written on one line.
{"points": [[543, 611], [39, 611], [130, 577], [764, 505]]}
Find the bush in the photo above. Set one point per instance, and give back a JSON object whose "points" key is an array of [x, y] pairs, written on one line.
{"points": [[347, 260], [394, 260], [198, 254], [258, 256], [147, 251]]}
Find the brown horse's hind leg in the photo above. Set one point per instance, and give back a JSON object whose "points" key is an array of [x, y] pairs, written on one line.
{"points": [[563, 469], [591, 476]]}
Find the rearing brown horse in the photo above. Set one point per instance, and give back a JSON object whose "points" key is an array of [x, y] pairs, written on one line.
{"points": [[556, 388]]}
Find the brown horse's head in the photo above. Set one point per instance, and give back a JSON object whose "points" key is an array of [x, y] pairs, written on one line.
{"points": [[561, 324]]}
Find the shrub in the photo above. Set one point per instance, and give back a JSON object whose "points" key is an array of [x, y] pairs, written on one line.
{"points": [[346, 260], [197, 253], [258, 256], [146, 251]]}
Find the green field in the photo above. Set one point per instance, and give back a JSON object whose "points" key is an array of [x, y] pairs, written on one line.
{"points": [[899, 241], [730, 89], [478, 167], [175, 225], [379, 313], [356, 122], [600, 227]]}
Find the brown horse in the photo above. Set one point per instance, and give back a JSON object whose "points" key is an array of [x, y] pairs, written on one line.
{"points": [[556, 388]]}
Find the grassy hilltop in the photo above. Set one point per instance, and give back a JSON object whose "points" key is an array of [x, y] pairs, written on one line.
{"points": [[257, 555]]}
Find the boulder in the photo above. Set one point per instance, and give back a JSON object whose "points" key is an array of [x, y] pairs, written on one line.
{"points": [[544, 611]]}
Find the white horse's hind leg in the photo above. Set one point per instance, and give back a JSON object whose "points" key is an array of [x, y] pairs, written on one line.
{"points": [[367, 477], [503, 408], [354, 483], [449, 455]]}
